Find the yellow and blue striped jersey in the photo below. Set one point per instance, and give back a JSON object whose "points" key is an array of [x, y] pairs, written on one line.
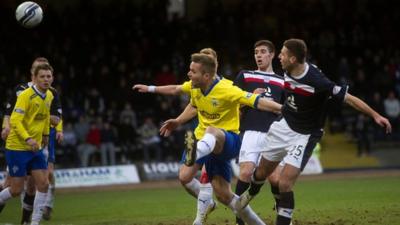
{"points": [[219, 106], [29, 119]]}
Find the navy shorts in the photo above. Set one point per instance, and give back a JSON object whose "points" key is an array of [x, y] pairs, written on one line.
{"points": [[20, 162], [220, 164], [52, 145]]}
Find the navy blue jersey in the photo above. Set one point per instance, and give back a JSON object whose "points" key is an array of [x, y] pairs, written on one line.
{"points": [[249, 80], [55, 108], [307, 99]]}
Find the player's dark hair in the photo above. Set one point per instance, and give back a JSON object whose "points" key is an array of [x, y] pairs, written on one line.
{"points": [[297, 48], [44, 66], [208, 63], [269, 44]]}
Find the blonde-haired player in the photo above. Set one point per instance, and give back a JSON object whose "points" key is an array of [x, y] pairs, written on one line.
{"points": [[215, 142], [30, 123], [201, 189]]}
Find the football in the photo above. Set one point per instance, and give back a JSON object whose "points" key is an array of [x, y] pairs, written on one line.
{"points": [[29, 14]]}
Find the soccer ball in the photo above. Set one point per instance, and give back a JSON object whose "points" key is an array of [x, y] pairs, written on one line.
{"points": [[29, 14]]}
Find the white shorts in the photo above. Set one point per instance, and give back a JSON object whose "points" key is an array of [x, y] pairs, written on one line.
{"points": [[252, 146], [284, 144]]}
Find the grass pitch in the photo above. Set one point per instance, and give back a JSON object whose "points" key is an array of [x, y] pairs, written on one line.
{"points": [[340, 201]]}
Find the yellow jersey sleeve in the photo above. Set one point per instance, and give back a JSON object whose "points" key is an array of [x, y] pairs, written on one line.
{"points": [[244, 97], [18, 114], [186, 87], [59, 127]]}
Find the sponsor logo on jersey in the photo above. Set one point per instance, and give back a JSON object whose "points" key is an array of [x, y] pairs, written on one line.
{"points": [[211, 116]]}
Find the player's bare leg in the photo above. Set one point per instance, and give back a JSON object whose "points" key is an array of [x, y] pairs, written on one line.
{"points": [[285, 206], [264, 169], [14, 190], [187, 178], [273, 180]]}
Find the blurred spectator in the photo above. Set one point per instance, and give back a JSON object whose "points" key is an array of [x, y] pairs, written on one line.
{"points": [[81, 129], [165, 76], [68, 147], [363, 135], [128, 114], [126, 137], [92, 144], [149, 138], [392, 109], [94, 101], [107, 147]]}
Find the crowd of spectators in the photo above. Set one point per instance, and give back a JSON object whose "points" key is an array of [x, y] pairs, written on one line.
{"points": [[100, 51]]}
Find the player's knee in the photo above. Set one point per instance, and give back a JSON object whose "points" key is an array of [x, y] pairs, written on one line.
{"points": [[184, 178], [285, 185], [223, 198], [43, 186], [260, 174], [15, 190], [212, 130], [273, 180], [245, 175], [30, 188]]}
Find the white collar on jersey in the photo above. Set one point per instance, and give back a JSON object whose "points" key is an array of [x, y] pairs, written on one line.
{"points": [[260, 71], [43, 95], [303, 74]]}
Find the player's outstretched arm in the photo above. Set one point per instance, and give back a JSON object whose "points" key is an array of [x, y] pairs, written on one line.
{"points": [[269, 105], [168, 126], [361, 106], [164, 90]]}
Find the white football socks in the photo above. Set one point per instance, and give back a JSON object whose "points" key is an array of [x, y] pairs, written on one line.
{"points": [[204, 200], [50, 196], [205, 145], [246, 214], [38, 205], [5, 195], [194, 186]]}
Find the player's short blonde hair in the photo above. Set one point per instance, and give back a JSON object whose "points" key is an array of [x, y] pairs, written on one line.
{"points": [[211, 52], [208, 63]]}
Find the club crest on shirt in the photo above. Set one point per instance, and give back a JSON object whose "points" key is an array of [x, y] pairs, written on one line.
{"points": [[291, 103], [336, 89], [214, 102]]}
